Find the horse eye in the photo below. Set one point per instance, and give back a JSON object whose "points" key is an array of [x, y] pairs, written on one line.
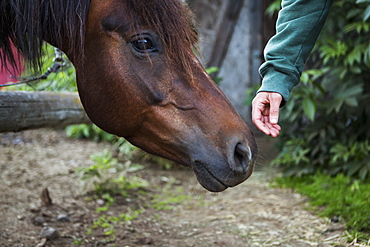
{"points": [[143, 45]]}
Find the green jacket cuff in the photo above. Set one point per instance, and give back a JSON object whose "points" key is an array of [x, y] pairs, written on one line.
{"points": [[281, 82]]}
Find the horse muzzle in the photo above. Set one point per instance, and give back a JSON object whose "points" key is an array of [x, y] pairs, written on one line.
{"points": [[219, 172]]}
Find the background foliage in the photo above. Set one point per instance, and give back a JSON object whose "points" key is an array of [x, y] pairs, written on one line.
{"points": [[326, 124], [64, 80]]}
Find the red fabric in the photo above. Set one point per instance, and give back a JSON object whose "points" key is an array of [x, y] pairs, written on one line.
{"points": [[5, 74]]}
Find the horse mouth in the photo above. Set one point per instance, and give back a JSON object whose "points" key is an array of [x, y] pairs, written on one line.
{"points": [[207, 179]]}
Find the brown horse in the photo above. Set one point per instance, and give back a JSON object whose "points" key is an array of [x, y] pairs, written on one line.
{"points": [[138, 77]]}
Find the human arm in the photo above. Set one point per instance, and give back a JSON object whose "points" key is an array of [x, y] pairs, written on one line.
{"points": [[297, 29]]}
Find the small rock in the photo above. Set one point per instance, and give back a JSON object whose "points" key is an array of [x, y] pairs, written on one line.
{"points": [[78, 225], [335, 219], [100, 202], [17, 141], [49, 233], [20, 217], [34, 209], [38, 221], [63, 218], [130, 229]]}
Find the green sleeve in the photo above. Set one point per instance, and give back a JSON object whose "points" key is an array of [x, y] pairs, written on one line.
{"points": [[297, 29]]}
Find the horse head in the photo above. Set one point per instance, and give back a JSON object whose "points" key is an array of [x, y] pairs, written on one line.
{"points": [[138, 78], [141, 80]]}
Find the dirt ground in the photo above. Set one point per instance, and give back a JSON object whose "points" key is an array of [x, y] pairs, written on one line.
{"points": [[251, 214]]}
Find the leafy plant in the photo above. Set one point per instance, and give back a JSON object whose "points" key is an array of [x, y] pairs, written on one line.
{"points": [[273, 8], [64, 80], [109, 180], [212, 71], [108, 176], [326, 122], [108, 222], [170, 198], [89, 131]]}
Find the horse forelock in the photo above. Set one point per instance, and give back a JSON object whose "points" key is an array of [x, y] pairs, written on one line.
{"points": [[25, 24], [174, 23]]}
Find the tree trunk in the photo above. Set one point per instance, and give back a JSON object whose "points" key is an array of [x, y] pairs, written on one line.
{"points": [[31, 110]]}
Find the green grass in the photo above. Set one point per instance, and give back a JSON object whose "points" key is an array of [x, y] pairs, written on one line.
{"points": [[338, 196], [169, 199]]}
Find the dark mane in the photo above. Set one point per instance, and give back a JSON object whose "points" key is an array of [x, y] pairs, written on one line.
{"points": [[26, 23], [174, 23]]}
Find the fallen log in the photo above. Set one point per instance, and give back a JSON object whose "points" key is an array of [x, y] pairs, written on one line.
{"points": [[32, 110]]}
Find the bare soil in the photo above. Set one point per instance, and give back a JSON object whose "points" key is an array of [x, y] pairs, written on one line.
{"points": [[251, 214]]}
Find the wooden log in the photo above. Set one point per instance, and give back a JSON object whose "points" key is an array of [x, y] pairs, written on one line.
{"points": [[31, 110]]}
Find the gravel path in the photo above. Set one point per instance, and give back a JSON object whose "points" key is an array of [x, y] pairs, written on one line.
{"points": [[251, 214]]}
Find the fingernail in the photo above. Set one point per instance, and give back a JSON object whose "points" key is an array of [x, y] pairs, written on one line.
{"points": [[273, 120]]}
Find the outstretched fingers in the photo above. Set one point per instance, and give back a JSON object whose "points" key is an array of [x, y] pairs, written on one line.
{"points": [[265, 112]]}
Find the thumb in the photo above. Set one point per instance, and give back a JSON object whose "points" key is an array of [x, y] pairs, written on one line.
{"points": [[275, 101]]}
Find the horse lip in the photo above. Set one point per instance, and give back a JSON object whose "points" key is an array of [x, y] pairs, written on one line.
{"points": [[212, 184]]}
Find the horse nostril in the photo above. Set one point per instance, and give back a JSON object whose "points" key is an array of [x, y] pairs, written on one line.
{"points": [[242, 157], [240, 149]]}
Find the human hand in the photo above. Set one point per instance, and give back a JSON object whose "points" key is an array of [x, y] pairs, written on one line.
{"points": [[265, 112]]}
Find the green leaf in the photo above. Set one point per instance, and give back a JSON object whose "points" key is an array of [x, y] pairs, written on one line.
{"points": [[309, 108], [354, 56], [360, 26], [356, 70], [86, 132], [351, 102], [338, 106], [305, 77], [366, 13], [363, 172], [350, 92], [367, 55], [273, 8], [353, 12], [212, 69], [354, 168]]}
